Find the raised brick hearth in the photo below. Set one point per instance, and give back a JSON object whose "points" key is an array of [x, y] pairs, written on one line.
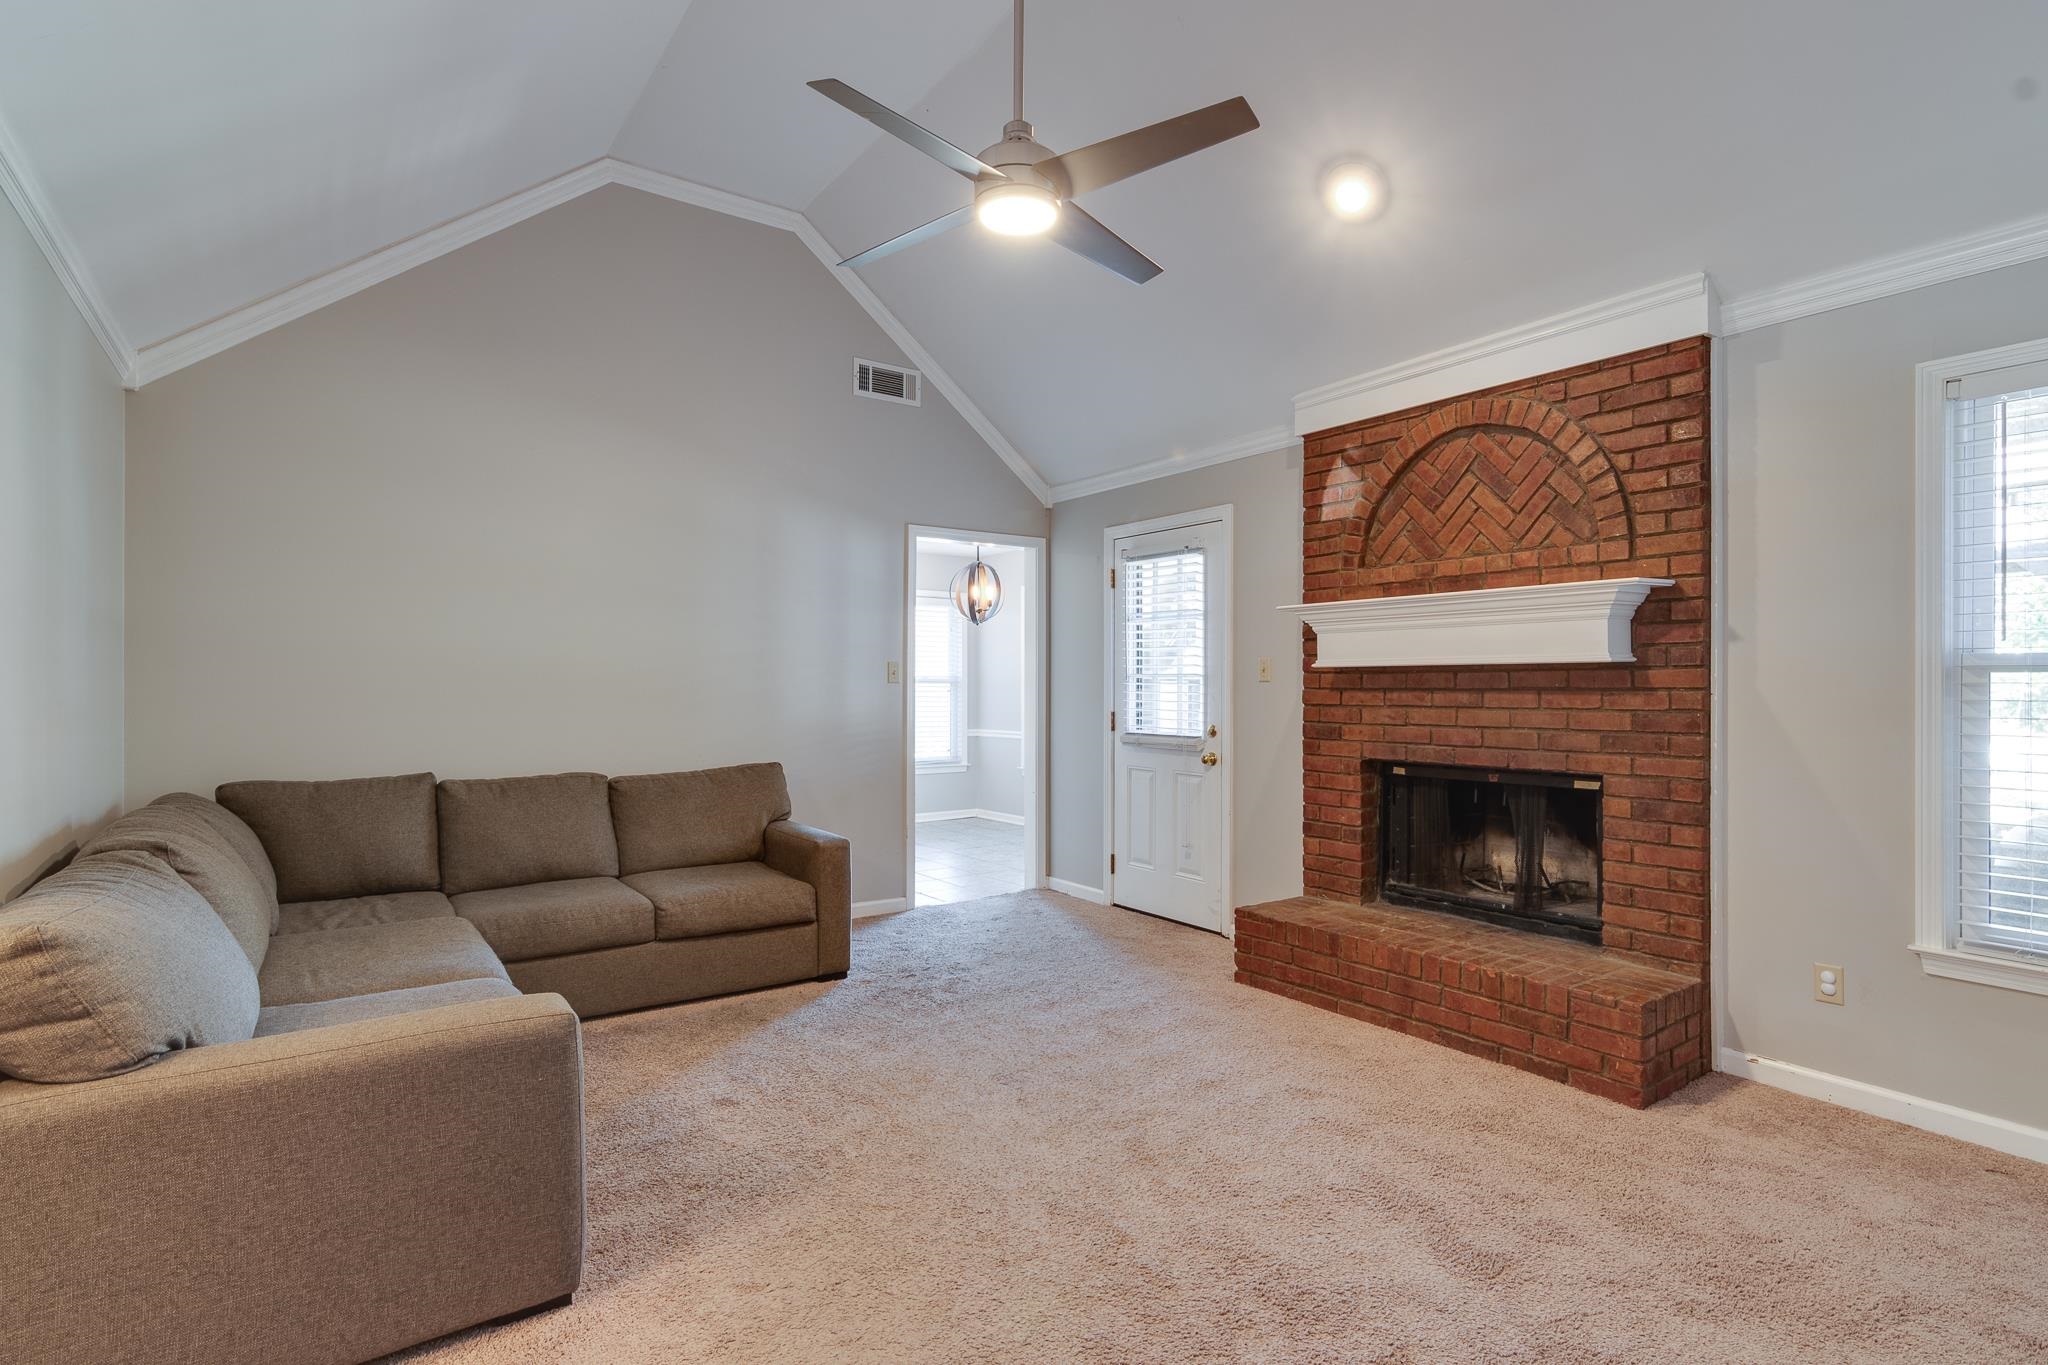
{"points": [[1614, 1024], [1599, 471]]}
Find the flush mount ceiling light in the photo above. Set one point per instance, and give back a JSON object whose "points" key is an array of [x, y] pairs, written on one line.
{"points": [[1355, 190], [977, 592], [1021, 189], [1016, 210]]}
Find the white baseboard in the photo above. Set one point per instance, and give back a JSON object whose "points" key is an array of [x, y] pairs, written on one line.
{"points": [[865, 909], [1094, 894], [926, 817], [2016, 1139]]}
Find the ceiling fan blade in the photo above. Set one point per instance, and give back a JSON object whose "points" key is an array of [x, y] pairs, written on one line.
{"points": [[913, 237], [1119, 158], [1082, 235], [901, 128]]}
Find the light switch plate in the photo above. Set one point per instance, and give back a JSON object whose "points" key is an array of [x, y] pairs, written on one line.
{"points": [[895, 672], [1265, 670]]}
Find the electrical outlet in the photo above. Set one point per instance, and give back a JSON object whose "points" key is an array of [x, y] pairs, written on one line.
{"points": [[1830, 983], [895, 673], [1265, 670]]}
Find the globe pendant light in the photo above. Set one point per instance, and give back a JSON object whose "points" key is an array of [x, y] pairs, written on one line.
{"points": [[977, 592]]}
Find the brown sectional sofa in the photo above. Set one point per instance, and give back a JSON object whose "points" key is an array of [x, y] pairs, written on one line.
{"points": [[296, 1074]]}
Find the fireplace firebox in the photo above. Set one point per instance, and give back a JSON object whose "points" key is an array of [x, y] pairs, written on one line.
{"points": [[1515, 848]]}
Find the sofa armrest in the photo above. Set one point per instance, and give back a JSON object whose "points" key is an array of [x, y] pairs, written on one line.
{"points": [[327, 1195], [826, 862]]}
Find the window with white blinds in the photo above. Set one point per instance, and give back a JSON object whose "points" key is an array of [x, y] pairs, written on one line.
{"points": [[1997, 695], [1164, 643], [941, 651]]}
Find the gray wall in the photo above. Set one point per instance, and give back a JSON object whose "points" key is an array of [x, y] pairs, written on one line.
{"points": [[1266, 759], [60, 567], [1819, 688], [591, 493]]}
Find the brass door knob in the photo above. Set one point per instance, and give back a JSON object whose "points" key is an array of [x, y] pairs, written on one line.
{"points": [[1209, 759]]}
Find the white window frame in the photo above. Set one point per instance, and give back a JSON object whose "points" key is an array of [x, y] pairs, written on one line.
{"points": [[1936, 742], [958, 625]]}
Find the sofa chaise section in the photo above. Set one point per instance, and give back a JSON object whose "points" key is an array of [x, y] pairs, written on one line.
{"points": [[326, 1194], [203, 1170]]}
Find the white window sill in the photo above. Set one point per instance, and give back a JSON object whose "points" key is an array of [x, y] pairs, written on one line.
{"points": [[942, 767], [2010, 973]]}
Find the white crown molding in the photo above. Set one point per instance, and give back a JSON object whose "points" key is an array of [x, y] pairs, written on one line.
{"points": [[25, 192], [1666, 312], [1973, 254], [211, 338], [1589, 621], [1223, 452], [208, 339], [1986, 1130], [683, 191]]}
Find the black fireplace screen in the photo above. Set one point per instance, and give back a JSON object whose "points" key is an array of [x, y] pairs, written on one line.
{"points": [[1513, 848]]}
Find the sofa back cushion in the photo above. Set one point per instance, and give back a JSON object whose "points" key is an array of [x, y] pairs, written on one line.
{"points": [[513, 831], [713, 815], [189, 834], [110, 964], [365, 836]]}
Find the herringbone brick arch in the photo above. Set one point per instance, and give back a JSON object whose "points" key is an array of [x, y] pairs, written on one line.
{"points": [[1510, 481]]}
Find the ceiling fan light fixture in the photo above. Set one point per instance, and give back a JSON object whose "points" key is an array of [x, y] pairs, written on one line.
{"points": [[1355, 190], [1017, 210]]}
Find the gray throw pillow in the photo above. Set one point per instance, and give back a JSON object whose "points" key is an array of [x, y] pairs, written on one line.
{"points": [[111, 964]]}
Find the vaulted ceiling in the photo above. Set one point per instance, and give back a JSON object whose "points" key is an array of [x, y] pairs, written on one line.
{"points": [[200, 156]]}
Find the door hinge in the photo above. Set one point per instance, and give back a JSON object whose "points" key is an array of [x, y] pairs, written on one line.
{"points": [[1112, 722], [1112, 864], [1112, 575]]}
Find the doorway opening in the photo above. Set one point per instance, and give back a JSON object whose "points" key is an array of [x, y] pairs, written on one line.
{"points": [[973, 729]]}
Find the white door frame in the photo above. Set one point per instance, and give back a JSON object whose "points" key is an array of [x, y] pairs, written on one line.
{"points": [[1226, 514], [1034, 745]]}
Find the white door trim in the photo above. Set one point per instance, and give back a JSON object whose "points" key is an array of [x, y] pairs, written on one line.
{"points": [[1036, 602], [1227, 515]]}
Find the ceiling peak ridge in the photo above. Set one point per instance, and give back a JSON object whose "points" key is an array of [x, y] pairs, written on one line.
{"points": [[207, 339]]}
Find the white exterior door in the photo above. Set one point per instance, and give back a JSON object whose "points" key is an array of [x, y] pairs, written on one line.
{"points": [[1168, 768]]}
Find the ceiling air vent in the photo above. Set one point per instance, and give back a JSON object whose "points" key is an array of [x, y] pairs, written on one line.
{"points": [[891, 383]]}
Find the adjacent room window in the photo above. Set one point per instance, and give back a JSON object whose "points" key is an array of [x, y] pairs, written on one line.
{"points": [[1164, 644], [1985, 626], [941, 653]]}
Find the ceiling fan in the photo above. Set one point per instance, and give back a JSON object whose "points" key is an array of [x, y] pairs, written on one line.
{"points": [[1022, 189]]}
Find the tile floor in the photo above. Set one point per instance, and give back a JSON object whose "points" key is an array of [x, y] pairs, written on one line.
{"points": [[963, 860]]}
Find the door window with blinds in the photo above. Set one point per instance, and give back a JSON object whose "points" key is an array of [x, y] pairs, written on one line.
{"points": [[941, 668], [1995, 665], [1164, 643]]}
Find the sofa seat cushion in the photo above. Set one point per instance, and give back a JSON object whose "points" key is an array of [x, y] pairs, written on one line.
{"points": [[353, 912], [724, 898], [376, 957], [520, 831], [112, 963], [177, 831], [357, 837], [350, 1009], [547, 919], [693, 819]]}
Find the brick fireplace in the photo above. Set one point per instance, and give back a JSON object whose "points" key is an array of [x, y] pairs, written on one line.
{"points": [[1599, 471]]}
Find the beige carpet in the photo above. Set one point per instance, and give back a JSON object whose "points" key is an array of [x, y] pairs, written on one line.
{"points": [[1031, 1129]]}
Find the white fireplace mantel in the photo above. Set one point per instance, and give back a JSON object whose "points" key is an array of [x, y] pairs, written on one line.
{"points": [[1544, 623]]}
